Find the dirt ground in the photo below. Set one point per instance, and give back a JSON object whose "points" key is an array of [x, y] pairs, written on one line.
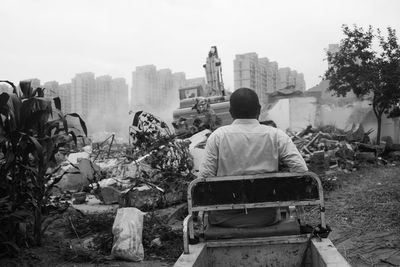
{"points": [[363, 210], [364, 213]]}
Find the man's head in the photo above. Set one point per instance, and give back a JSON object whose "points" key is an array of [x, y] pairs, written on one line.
{"points": [[244, 104]]}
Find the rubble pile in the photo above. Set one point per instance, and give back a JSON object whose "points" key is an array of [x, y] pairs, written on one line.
{"points": [[328, 148], [150, 174]]}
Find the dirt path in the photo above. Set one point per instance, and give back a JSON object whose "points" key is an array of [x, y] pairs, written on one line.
{"points": [[364, 213]]}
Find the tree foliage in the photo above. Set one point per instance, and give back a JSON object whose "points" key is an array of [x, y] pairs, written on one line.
{"points": [[30, 138], [367, 64]]}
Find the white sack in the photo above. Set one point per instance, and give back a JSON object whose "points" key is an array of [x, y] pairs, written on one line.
{"points": [[127, 230]]}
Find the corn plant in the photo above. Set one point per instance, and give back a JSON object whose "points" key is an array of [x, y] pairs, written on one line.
{"points": [[31, 134]]}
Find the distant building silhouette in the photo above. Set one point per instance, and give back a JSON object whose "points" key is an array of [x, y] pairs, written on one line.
{"points": [[264, 76], [157, 89], [64, 92], [82, 89]]}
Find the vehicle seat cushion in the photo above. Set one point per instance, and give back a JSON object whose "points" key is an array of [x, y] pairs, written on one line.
{"points": [[280, 229]]}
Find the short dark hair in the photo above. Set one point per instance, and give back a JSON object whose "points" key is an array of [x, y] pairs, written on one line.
{"points": [[244, 104]]}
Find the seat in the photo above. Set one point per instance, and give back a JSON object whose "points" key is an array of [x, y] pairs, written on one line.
{"points": [[283, 191]]}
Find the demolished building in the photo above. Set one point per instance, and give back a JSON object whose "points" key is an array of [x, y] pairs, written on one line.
{"points": [[291, 109]]}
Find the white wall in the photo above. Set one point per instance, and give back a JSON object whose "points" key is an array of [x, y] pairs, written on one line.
{"points": [[303, 112], [279, 113]]}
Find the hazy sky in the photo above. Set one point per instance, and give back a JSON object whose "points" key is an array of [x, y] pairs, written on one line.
{"points": [[53, 40]]}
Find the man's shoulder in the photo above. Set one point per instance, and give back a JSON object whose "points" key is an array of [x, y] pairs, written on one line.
{"points": [[222, 129]]}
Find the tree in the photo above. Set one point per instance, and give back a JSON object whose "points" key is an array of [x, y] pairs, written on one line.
{"points": [[366, 71]]}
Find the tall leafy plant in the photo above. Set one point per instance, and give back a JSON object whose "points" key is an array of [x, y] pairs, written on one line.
{"points": [[31, 134]]}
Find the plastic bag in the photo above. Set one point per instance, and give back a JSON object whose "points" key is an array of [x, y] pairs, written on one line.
{"points": [[127, 230]]}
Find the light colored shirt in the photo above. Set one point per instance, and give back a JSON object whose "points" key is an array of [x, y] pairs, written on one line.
{"points": [[248, 147]]}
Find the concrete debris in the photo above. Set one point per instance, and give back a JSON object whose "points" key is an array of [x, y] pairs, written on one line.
{"points": [[79, 198], [109, 195], [143, 197], [328, 148]]}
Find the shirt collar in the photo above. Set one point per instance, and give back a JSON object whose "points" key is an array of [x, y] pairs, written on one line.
{"points": [[246, 121]]}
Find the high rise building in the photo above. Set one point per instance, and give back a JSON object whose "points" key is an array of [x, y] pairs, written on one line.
{"points": [[264, 76], [117, 107], [83, 87], [179, 79], [119, 95], [157, 89], [284, 78], [245, 70], [144, 85], [258, 74], [64, 92], [274, 79], [291, 79], [164, 88], [102, 94]]}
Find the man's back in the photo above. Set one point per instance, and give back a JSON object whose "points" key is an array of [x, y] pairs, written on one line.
{"points": [[247, 147]]}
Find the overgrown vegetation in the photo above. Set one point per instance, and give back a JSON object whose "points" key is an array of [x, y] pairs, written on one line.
{"points": [[30, 138]]}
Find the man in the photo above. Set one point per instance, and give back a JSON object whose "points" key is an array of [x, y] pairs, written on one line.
{"points": [[247, 147]]}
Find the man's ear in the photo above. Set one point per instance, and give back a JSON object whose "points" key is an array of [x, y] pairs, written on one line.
{"points": [[258, 111], [232, 113]]}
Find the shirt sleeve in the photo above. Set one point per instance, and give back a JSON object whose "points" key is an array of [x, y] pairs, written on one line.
{"points": [[289, 154], [209, 165]]}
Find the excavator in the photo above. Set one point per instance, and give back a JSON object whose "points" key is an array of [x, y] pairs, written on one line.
{"points": [[208, 103]]}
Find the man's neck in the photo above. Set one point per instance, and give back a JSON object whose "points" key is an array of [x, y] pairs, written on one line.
{"points": [[246, 121]]}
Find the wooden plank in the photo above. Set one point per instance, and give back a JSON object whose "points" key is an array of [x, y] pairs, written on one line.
{"points": [[273, 240], [325, 254], [196, 258]]}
